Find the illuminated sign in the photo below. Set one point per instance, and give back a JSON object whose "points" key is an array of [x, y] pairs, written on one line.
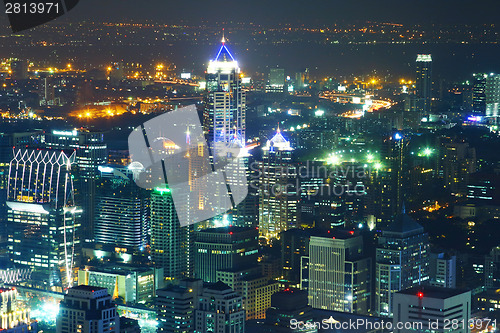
{"points": [[245, 80], [186, 76], [104, 169], [475, 118], [65, 133], [162, 190]]}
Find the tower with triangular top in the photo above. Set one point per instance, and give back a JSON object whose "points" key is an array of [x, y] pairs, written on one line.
{"points": [[225, 100], [278, 192]]}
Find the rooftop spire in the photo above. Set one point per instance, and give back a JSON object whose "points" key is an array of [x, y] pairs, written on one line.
{"points": [[223, 38]]}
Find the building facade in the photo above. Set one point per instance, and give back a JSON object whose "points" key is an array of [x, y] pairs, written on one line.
{"points": [[122, 216], [171, 244], [87, 309], [339, 274], [43, 218], [402, 261], [278, 197], [224, 248], [220, 309], [432, 309]]}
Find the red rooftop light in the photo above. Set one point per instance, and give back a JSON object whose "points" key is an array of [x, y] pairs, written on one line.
{"points": [[420, 294], [351, 232]]}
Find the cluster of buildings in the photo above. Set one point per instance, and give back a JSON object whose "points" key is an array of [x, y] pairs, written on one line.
{"points": [[323, 242]]}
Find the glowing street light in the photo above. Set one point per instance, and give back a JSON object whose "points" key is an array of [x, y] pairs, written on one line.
{"points": [[426, 152], [333, 159]]}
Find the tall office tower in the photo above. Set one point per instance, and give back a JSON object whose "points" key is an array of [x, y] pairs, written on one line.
{"points": [[122, 211], [225, 101], [246, 213], [339, 273], [44, 222], [176, 305], [424, 82], [171, 244], [492, 92], [225, 248], [220, 309], [402, 261], [91, 151], [224, 120], [322, 196], [458, 162], [15, 317], [301, 79], [435, 306], [276, 82], [294, 246], [443, 270], [278, 197], [479, 93], [492, 269], [46, 90], [393, 177], [19, 69], [87, 309]]}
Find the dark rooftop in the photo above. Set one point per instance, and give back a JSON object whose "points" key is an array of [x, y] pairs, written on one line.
{"points": [[404, 224], [432, 292], [84, 287], [220, 286]]}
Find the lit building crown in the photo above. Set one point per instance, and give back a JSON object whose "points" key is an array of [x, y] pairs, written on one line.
{"points": [[278, 142], [224, 61], [424, 58]]}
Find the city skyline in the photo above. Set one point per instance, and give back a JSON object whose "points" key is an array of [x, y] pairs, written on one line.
{"points": [[251, 167]]}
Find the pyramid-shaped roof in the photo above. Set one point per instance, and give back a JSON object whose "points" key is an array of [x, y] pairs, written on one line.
{"points": [[404, 224]]}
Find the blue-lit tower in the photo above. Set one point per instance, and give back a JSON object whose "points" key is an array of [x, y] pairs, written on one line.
{"points": [[225, 103]]}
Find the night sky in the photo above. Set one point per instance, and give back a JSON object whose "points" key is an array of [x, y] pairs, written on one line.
{"points": [[293, 11]]}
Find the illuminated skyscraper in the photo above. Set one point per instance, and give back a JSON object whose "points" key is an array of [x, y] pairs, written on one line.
{"points": [[228, 248], [402, 261], [479, 93], [122, 211], [392, 177], [278, 198], [91, 151], [276, 80], [339, 273], [44, 222], [492, 92], [171, 244], [424, 82], [225, 104]]}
